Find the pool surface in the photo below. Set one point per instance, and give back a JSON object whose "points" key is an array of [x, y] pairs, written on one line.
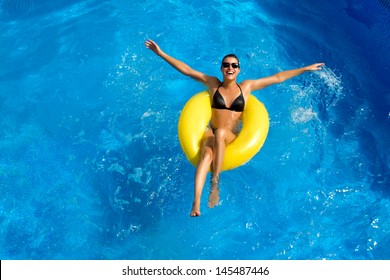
{"points": [[90, 163]]}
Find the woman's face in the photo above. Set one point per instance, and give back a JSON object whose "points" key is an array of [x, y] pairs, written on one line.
{"points": [[230, 68]]}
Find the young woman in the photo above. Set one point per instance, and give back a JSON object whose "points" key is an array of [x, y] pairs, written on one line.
{"points": [[228, 99]]}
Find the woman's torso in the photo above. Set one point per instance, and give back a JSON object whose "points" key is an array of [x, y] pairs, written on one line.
{"points": [[228, 114]]}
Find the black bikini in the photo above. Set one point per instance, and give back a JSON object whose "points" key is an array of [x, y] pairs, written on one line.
{"points": [[219, 103]]}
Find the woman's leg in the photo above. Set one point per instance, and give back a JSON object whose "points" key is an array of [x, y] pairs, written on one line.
{"points": [[222, 138], [202, 169]]}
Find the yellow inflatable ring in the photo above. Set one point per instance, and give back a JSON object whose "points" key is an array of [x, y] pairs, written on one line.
{"points": [[195, 117]]}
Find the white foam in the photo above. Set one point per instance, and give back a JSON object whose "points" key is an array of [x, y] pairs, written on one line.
{"points": [[303, 115]]}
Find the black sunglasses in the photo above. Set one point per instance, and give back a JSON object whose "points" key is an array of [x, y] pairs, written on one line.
{"points": [[227, 64]]}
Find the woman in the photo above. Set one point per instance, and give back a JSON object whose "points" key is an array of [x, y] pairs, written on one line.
{"points": [[228, 99]]}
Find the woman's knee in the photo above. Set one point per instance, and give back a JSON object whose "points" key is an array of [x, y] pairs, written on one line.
{"points": [[207, 154], [220, 134]]}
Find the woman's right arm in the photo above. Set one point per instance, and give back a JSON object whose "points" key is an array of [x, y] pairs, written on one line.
{"points": [[178, 65]]}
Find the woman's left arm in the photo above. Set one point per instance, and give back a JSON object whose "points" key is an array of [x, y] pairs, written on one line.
{"points": [[281, 76]]}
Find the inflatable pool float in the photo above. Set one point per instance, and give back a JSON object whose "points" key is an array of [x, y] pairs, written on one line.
{"points": [[195, 117]]}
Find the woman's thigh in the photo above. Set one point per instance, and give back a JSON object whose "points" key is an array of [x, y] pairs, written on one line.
{"points": [[225, 135], [207, 139]]}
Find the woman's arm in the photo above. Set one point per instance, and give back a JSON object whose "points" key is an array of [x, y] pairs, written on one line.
{"points": [[178, 65], [281, 76]]}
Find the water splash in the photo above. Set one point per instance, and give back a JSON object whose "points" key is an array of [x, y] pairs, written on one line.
{"points": [[303, 115], [330, 78]]}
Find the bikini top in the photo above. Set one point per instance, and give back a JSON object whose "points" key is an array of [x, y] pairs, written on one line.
{"points": [[219, 103]]}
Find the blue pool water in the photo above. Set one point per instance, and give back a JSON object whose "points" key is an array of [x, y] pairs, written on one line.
{"points": [[90, 163]]}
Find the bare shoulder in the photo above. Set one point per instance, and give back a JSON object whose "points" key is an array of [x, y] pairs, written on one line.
{"points": [[212, 83], [253, 85], [246, 87]]}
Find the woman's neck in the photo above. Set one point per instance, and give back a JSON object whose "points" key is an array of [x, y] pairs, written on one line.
{"points": [[229, 83]]}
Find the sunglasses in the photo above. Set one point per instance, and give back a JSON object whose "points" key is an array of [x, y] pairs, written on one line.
{"points": [[227, 64]]}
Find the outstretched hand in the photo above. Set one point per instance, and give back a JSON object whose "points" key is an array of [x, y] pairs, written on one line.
{"points": [[151, 45], [315, 67]]}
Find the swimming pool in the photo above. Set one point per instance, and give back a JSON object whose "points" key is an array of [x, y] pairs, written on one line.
{"points": [[91, 167]]}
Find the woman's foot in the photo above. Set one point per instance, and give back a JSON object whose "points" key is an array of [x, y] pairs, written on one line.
{"points": [[213, 197], [195, 212]]}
